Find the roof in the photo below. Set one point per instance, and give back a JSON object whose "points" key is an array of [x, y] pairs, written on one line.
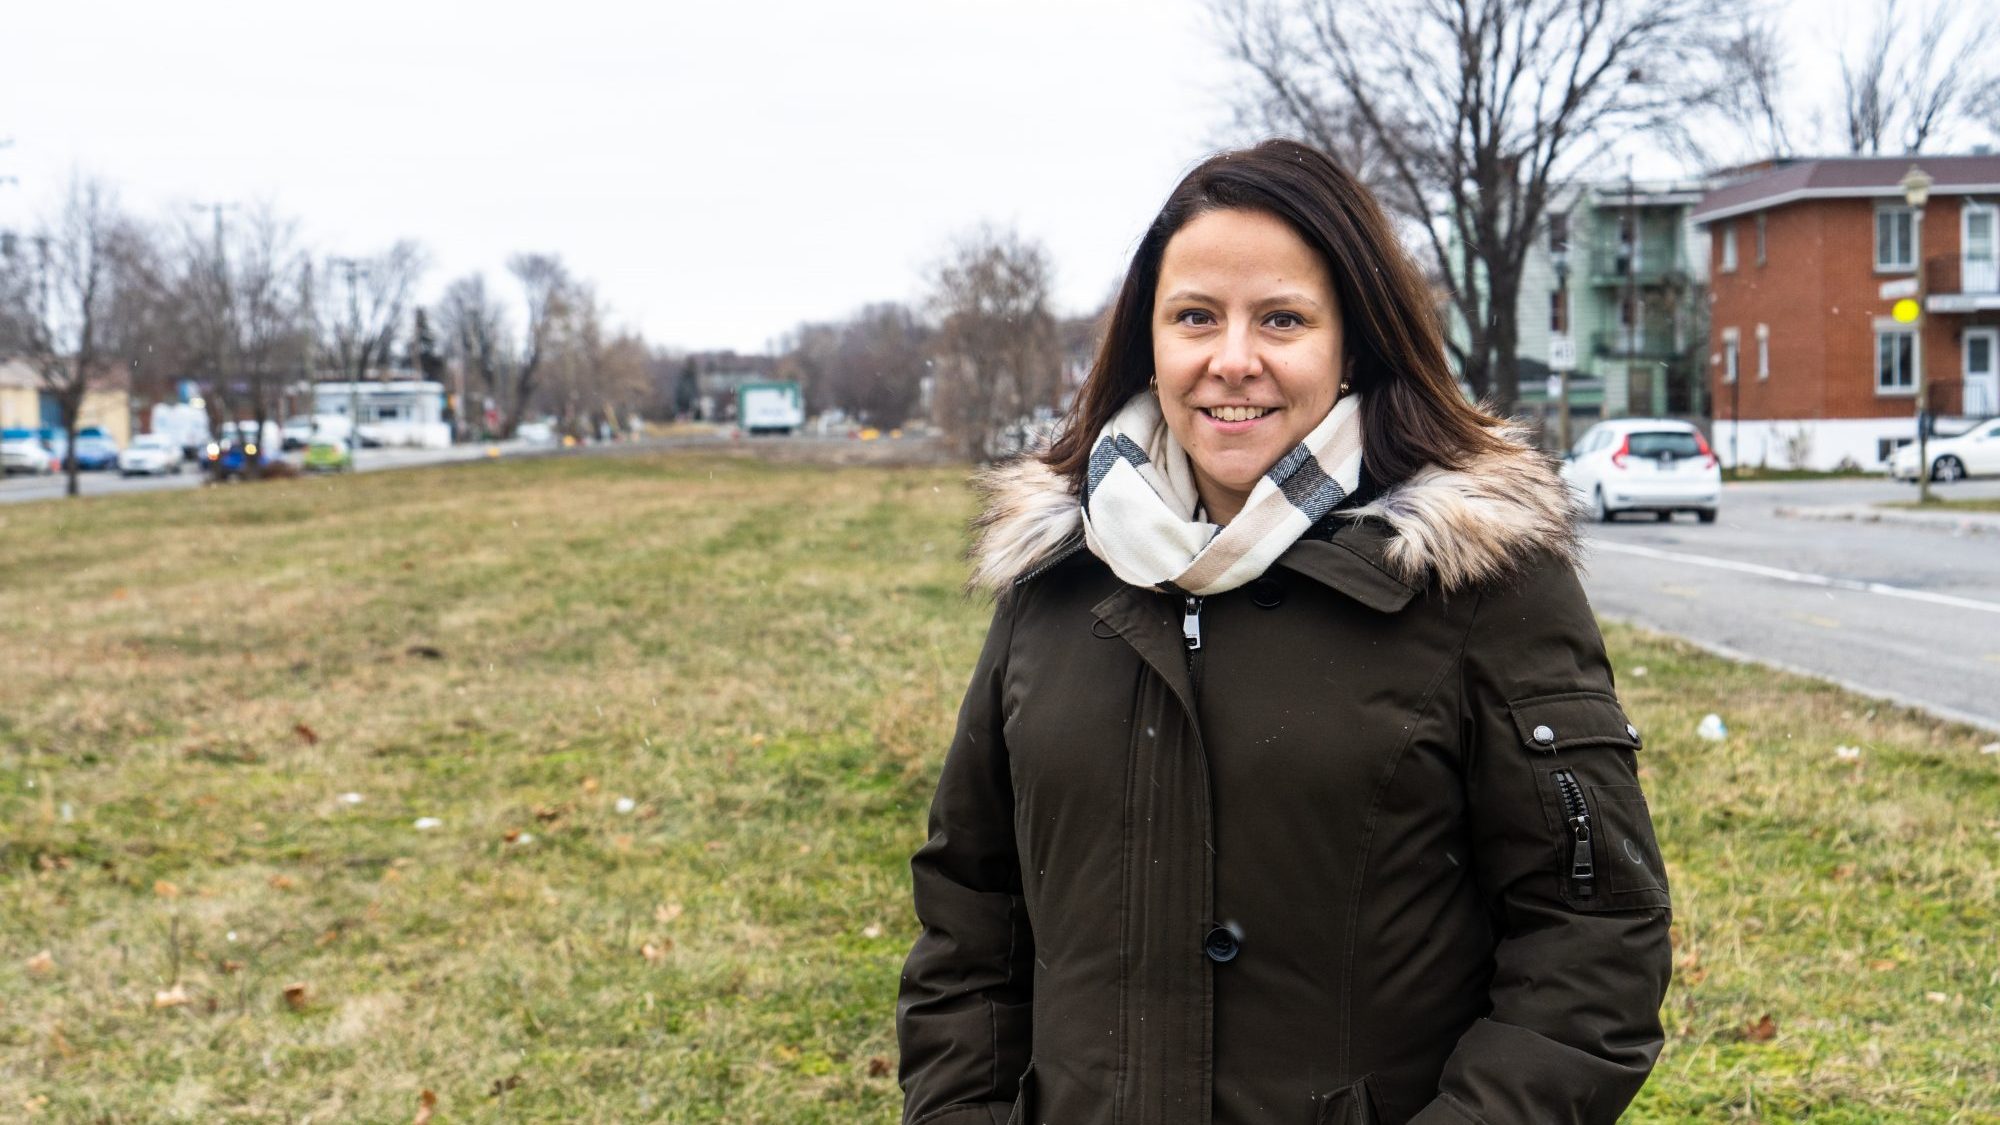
{"points": [[1848, 177]]}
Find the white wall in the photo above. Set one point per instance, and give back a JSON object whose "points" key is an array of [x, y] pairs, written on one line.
{"points": [[1826, 442]]}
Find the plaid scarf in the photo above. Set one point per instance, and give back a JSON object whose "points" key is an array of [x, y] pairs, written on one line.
{"points": [[1140, 507]]}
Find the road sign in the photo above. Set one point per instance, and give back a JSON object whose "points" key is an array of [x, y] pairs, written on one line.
{"points": [[1562, 352], [1905, 287]]}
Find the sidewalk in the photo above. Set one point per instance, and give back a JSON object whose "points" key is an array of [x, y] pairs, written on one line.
{"points": [[1953, 523]]}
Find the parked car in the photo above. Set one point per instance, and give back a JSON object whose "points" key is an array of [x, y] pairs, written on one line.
{"points": [[1974, 453], [95, 450], [231, 458], [536, 433], [1655, 465], [324, 456], [151, 455], [22, 451]]}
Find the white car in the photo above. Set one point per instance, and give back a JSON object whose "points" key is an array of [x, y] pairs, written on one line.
{"points": [[22, 452], [1655, 465], [1974, 453], [150, 454]]}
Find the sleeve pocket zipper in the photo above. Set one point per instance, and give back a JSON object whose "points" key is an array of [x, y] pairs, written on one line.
{"points": [[1576, 813]]}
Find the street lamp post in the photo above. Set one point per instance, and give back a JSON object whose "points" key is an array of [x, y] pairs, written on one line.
{"points": [[1916, 187]]}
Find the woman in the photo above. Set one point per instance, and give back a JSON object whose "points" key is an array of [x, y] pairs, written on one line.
{"points": [[1291, 786]]}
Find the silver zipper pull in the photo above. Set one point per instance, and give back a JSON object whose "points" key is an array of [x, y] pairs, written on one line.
{"points": [[1191, 623]]}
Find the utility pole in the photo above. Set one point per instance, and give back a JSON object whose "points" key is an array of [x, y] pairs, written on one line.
{"points": [[1631, 282], [355, 269]]}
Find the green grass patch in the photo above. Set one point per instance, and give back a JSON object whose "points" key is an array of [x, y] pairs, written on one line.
{"points": [[678, 718]]}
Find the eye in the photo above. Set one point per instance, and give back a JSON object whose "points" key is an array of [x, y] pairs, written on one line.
{"points": [[1193, 318], [1284, 321]]}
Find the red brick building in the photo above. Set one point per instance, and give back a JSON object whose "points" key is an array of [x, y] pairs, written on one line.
{"points": [[1808, 366]]}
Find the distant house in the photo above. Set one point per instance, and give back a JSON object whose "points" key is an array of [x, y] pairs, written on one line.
{"points": [[1613, 286], [23, 402], [1808, 365]]}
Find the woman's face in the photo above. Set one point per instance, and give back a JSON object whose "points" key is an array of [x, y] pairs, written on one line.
{"points": [[1246, 348]]}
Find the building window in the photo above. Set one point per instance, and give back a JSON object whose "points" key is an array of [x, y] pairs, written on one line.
{"points": [[1895, 361], [1895, 239], [1886, 448], [1763, 351], [1728, 246], [1761, 256], [1731, 359], [1559, 232]]}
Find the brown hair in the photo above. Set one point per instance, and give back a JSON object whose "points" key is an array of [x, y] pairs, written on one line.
{"points": [[1413, 413]]}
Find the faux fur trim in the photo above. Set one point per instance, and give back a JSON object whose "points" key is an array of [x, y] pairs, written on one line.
{"points": [[1459, 527]]}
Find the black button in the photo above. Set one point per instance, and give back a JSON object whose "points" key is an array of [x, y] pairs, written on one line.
{"points": [[1266, 593], [1222, 944]]}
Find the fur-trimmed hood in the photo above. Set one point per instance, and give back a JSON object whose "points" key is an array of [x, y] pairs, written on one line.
{"points": [[1458, 527]]}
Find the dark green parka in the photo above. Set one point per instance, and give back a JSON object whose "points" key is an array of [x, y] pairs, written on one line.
{"points": [[1375, 851]]}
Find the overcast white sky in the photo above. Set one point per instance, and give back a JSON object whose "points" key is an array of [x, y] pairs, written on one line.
{"points": [[720, 171]]}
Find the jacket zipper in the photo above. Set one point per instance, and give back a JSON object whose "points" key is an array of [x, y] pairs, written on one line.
{"points": [[1191, 636], [1045, 564], [1581, 872]]}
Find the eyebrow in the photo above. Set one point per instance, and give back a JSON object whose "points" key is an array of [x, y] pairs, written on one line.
{"points": [[1293, 298]]}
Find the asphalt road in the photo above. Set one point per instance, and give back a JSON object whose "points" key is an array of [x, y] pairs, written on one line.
{"points": [[1906, 613]]}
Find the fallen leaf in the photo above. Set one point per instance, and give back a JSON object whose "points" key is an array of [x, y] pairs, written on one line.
{"points": [[427, 652], [549, 814], [1844, 871], [1762, 1031], [502, 1085], [1693, 976], [120, 594], [590, 785], [296, 997], [805, 849], [1936, 997], [871, 931], [170, 998], [1882, 966], [282, 883], [666, 912], [42, 964], [166, 890], [35, 1104], [878, 1067], [306, 734], [714, 846], [656, 951], [231, 967], [511, 835], [426, 1102]]}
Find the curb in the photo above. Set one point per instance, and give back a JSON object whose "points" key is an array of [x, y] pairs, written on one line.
{"points": [[1962, 523]]}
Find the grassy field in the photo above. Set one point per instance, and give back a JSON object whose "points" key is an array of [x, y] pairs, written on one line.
{"points": [[676, 720]]}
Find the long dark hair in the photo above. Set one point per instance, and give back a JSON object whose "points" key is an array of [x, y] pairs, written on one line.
{"points": [[1413, 413]]}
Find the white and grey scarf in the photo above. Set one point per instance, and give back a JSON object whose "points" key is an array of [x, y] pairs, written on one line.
{"points": [[1140, 507]]}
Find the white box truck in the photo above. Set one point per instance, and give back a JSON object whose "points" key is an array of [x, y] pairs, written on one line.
{"points": [[770, 408]]}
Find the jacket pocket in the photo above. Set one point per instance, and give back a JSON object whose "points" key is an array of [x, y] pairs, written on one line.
{"points": [[1349, 1105], [1024, 1102], [1607, 857]]}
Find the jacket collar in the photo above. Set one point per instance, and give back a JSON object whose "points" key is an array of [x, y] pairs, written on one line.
{"points": [[1455, 528]]}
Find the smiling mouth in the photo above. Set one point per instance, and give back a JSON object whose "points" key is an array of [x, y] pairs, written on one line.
{"points": [[1237, 413]]}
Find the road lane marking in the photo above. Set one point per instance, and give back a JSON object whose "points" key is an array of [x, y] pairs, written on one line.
{"points": [[1798, 576]]}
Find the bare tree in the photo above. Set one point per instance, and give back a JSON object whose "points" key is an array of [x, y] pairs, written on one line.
{"points": [[361, 303], [479, 331], [546, 292], [476, 334], [1470, 111], [1748, 96], [1913, 78], [879, 369], [997, 354], [58, 292], [595, 375]]}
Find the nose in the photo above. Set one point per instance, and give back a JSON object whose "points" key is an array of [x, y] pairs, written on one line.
{"points": [[1235, 357]]}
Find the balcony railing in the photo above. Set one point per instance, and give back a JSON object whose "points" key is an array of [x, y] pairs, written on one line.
{"points": [[1609, 265], [1651, 341]]}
